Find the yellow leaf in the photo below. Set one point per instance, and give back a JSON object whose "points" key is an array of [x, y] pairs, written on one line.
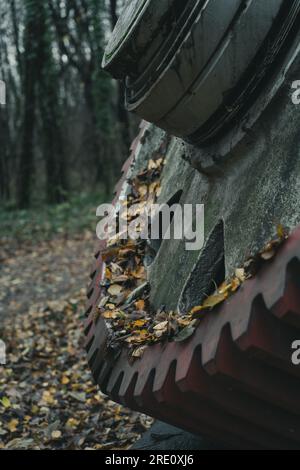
{"points": [[5, 402], [72, 423], [281, 232], [34, 409], [196, 309], [13, 425], [214, 300], [139, 323], [224, 288], [143, 332], [110, 315], [48, 398], [235, 284], [107, 273], [65, 380], [140, 305]]}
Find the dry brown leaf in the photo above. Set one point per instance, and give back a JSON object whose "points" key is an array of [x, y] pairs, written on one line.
{"points": [[110, 314], [240, 274], [124, 252], [110, 306], [48, 398], [235, 284], [12, 426], [138, 337], [185, 321], [109, 253], [158, 192], [268, 253], [160, 333], [120, 279], [103, 302], [139, 352], [153, 187], [161, 326], [140, 305], [155, 164], [139, 273], [115, 268], [115, 290], [143, 190]]}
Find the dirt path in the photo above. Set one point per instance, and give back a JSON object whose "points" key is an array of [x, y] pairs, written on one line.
{"points": [[49, 271], [47, 396]]}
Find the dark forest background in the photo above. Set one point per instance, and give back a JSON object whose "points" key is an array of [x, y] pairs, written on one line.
{"points": [[64, 130]]}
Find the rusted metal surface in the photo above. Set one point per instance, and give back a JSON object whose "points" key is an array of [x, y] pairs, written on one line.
{"points": [[233, 380]]}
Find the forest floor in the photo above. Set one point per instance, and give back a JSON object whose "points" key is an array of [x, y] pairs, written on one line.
{"points": [[47, 397]]}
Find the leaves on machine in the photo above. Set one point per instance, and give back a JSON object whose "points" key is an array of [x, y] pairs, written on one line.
{"points": [[125, 289]]}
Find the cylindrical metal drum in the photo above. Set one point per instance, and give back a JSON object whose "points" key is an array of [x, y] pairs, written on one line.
{"points": [[193, 67]]}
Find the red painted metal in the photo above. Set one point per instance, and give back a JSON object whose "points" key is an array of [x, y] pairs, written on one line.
{"points": [[234, 379]]}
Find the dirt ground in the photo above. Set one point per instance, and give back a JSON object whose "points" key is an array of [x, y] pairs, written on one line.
{"points": [[47, 397]]}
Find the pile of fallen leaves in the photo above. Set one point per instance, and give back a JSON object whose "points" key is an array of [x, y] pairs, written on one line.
{"points": [[249, 269], [124, 302], [47, 397]]}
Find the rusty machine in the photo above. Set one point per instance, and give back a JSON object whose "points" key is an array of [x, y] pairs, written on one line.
{"points": [[213, 81]]}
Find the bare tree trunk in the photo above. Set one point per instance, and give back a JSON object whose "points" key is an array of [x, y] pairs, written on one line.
{"points": [[53, 149], [4, 156], [34, 29], [27, 152]]}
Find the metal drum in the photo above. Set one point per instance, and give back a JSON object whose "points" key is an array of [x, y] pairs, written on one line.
{"points": [[194, 67]]}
